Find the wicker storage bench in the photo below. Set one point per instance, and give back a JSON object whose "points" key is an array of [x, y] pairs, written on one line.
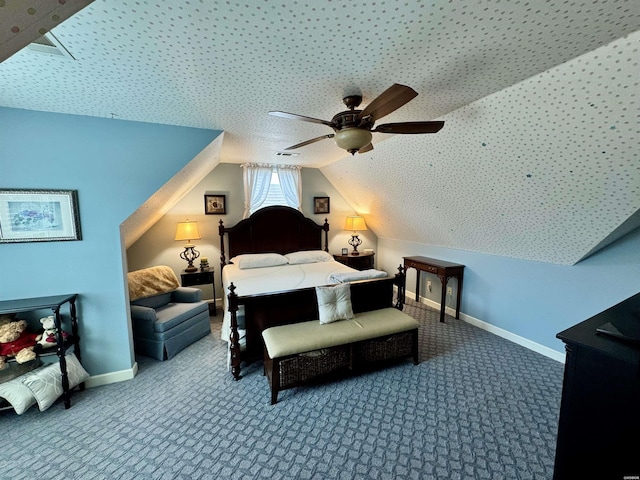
{"points": [[300, 352]]}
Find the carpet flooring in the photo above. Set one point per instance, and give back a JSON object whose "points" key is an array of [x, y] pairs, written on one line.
{"points": [[476, 407]]}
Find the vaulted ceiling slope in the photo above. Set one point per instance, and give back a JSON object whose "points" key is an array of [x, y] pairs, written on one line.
{"points": [[535, 160], [224, 65], [545, 170]]}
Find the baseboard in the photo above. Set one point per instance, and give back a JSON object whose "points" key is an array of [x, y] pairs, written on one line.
{"points": [[512, 337], [112, 377]]}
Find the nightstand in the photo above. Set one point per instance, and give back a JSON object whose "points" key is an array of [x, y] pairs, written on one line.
{"points": [[201, 277], [364, 261]]}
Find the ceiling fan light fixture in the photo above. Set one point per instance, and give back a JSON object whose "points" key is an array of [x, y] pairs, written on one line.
{"points": [[352, 139], [353, 128]]}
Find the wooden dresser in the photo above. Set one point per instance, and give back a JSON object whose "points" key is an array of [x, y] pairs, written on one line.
{"points": [[599, 425]]}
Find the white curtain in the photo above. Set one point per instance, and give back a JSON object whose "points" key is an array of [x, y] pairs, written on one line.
{"points": [[256, 178], [291, 184]]}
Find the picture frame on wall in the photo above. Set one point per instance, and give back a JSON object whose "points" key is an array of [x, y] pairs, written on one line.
{"points": [[215, 204], [321, 205], [28, 215]]}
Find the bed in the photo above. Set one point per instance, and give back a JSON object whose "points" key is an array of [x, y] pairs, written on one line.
{"points": [[263, 290]]}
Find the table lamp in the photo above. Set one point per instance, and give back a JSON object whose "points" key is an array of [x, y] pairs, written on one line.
{"points": [[188, 231], [354, 223]]}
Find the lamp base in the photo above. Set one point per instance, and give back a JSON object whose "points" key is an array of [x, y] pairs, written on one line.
{"points": [[354, 242], [190, 254]]}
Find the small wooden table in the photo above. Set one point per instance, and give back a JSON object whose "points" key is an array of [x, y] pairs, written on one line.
{"points": [[364, 261], [444, 271], [201, 277]]}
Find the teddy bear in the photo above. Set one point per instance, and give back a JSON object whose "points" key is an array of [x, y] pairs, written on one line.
{"points": [[16, 341], [48, 338]]}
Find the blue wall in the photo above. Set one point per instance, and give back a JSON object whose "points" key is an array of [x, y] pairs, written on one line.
{"points": [[534, 300], [115, 165]]}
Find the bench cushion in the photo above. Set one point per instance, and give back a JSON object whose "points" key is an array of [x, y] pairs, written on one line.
{"points": [[308, 336]]}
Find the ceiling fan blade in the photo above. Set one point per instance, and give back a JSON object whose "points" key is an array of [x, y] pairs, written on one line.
{"points": [[410, 127], [293, 116], [366, 148], [391, 99], [308, 142]]}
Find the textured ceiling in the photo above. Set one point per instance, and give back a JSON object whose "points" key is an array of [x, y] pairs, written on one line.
{"points": [[544, 170], [538, 157], [23, 20], [224, 65]]}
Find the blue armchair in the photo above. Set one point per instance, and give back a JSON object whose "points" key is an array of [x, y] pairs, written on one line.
{"points": [[165, 317]]}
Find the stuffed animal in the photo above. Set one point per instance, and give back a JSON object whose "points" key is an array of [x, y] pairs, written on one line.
{"points": [[15, 341], [48, 339], [25, 355], [10, 331]]}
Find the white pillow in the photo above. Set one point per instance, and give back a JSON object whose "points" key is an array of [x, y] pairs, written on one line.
{"points": [[308, 256], [258, 260], [45, 383], [19, 396], [334, 303]]}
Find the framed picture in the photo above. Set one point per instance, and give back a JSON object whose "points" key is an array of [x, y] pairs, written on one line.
{"points": [[321, 205], [39, 216], [345, 251], [215, 204]]}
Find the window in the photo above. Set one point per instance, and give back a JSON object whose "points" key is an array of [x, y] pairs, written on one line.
{"points": [[266, 185], [275, 196]]}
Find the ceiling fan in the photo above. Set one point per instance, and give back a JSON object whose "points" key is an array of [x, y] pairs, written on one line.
{"points": [[353, 127]]}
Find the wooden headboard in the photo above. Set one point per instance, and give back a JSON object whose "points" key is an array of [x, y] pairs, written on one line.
{"points": [[273, 230]]}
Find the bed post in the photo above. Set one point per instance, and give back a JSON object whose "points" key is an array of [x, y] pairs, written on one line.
{"points": [[400, 282], [234, 337], [223, 260], [325, 227]]}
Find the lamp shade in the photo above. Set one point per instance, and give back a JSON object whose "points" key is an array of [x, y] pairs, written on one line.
{"points": [[352, 139], [187, 231], [354, 223]]}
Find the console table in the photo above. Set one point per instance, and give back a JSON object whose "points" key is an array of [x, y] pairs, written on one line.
{"points": [[444, 271]]}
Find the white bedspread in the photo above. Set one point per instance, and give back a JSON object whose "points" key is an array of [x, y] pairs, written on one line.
{"points": [[275, 279]]}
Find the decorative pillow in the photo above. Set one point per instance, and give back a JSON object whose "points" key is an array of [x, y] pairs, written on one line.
{"points": [[19, 396], [334, 303], [309, 256], [45, 383], [258, 260]]}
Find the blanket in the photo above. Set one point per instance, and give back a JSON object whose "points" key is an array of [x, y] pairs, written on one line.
{"points": [[151, 281], [343, 277]]}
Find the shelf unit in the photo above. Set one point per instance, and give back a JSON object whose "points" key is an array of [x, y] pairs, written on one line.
{"points": [[53, 303]]}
